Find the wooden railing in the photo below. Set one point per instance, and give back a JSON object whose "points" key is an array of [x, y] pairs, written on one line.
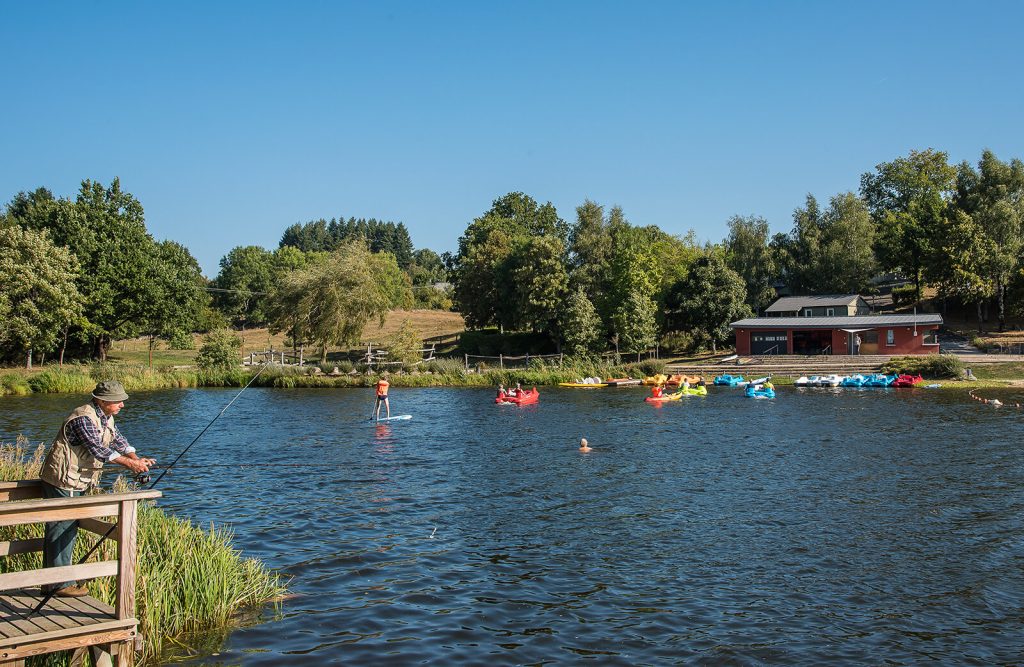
{"points": [[69, 623]]}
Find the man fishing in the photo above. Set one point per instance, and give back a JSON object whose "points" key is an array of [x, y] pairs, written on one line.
{"points": [[73, 464]]}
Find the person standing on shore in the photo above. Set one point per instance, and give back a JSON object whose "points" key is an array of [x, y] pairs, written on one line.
{"points": [[382, 396], [73, 464]]}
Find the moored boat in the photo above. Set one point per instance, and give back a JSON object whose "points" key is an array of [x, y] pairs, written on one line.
{"points": [[854, 381], [766, 390], [728, 380], [905, 380]]}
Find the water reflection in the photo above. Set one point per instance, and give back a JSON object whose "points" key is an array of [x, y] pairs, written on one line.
{"points": [[828, 526]]}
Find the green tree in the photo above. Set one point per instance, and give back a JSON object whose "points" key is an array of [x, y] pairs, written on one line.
{"points": [[329, 302], [221, 350], [846, 261], [39, 299], [580, 325], [970, 258], [630, 301], [105, 228], [710, 298], [492, 249], [907, 199], [634, 324], [537, 271], [747, 252], [177, 295], [590, 245], [244, 284], [993, 197]]}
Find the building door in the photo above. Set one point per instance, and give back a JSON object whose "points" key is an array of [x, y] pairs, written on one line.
{"points": [[768, 342], [813, 341]]}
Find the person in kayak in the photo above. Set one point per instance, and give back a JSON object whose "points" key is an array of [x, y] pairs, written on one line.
{"points": [[657, 391], [501, 391]]}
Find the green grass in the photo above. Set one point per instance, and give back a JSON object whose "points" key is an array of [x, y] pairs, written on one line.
{"points": [[188, 579]]}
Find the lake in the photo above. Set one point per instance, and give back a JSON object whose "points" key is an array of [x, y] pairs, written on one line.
{"points": [[825, 526]]}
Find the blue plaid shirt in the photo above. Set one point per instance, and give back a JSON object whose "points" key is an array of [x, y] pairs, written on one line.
{"points": [[81, 431]]}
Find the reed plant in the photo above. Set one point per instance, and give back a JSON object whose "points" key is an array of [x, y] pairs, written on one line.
{"points": [[443, 372], [188, 579]]}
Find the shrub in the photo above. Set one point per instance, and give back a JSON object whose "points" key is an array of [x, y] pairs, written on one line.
{"points": [[932, 366], [648, 367], [404, 345], [220, 351], [679, 342], [182, 340], [904, 296]]}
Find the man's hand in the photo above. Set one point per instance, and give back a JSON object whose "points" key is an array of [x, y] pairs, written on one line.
{"points": [[135, 464]]}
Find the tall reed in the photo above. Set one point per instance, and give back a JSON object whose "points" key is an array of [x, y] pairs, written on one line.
{"points": [[188, 579]]}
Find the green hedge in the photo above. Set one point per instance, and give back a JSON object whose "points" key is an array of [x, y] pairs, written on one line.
{"points": [[932, 366]]}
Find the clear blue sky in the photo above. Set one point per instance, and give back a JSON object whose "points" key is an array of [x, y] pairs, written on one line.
{"points": [[232, 121]]}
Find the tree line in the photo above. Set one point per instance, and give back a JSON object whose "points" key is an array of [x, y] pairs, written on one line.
{"points": [[79, 273], [957, 228]]}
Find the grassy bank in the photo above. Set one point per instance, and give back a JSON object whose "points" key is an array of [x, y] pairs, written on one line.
{"points": [[81, 379], [189, 579]]}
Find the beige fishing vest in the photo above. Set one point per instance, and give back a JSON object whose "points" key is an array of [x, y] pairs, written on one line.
{"points": [[74, 468]]}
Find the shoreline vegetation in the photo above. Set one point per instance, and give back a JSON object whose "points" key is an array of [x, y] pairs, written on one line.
{"points": [[81, 378], [178, 560]]}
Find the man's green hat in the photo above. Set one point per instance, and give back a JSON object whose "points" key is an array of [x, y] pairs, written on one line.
{"points": [[111, 391]]}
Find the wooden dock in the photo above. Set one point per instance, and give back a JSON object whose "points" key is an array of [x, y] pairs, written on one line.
{"points": [[82, 624]]}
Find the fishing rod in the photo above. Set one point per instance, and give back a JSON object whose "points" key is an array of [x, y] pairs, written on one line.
{"points": [[103, 538]]}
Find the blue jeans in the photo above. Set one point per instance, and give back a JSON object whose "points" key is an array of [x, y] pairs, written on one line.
{"points": [[60, 536]]}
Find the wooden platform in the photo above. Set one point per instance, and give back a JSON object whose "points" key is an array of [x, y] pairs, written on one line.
{"points": [[59, 623], [109, 633]]}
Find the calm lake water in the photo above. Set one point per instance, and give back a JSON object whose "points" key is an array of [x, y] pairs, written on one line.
{"points": [[826, 526]]}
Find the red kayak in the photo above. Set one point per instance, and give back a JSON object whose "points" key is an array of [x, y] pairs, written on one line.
{"points": [[526, 397]]}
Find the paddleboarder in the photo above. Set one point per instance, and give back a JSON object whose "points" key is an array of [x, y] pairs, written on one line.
{"points": [[382, 396]]}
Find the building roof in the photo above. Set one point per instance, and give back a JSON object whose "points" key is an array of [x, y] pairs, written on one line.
{"points": [[846, 322], [788, 304]]}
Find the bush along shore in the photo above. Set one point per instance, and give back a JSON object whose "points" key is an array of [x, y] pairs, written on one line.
{"points": [[189, 579], [81, 378]]}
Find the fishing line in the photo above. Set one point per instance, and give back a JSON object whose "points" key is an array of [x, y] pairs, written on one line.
{"points": [[103, 538]]}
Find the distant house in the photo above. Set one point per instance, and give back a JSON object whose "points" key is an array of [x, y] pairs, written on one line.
{"points": [[829, 305], [836, 324]]}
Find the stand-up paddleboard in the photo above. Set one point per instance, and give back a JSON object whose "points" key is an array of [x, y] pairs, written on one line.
{"points": [[392, 419]]}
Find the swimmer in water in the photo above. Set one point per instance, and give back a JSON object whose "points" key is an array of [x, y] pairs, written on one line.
{"points": [[584, 447]]}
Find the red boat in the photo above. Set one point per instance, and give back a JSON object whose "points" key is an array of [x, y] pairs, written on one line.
{"points": [[525, 397], [905, 380]]}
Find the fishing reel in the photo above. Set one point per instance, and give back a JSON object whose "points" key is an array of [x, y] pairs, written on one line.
{"points": [[143, 478]]}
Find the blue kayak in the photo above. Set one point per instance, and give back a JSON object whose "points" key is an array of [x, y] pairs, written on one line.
{"points": [[728, 380]]}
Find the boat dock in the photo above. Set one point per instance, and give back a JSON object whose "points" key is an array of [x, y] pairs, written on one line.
{"points": [[109, 633]]}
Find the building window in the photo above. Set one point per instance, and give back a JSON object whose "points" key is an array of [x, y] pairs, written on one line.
{"points": [[931, 337], [890, 337], [807, 312], [830, 312]]}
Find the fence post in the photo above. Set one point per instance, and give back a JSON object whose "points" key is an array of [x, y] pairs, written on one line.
{"points": [[501, 362], [559, 359], [527, 358], [467, 363]]}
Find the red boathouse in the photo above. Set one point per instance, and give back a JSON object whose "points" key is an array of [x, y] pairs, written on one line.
{"points": [[856, 334]]}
